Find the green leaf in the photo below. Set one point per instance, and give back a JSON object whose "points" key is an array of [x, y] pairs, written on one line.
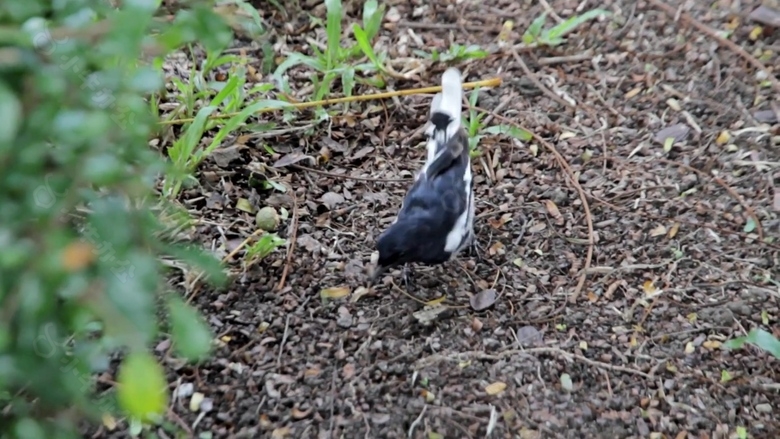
{"points": [[750, 225], [191, 336], [372, 17], [365, 45], [197, 257], [535, 29], [11, 115], [510, 130], [760, 338], [142, 390], [333, 31], [572, 23]]}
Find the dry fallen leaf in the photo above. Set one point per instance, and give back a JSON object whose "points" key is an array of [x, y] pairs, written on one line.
{"points": [[280, 433], [658, 231], [677, 132], [649, 287], [592, 297], [332, 199], [633, 92], [496, 249], [673, 232], [689, 348], [437, 301], [552, 209], [483, 300], [429, 314], [497, 223], [776, 202], [495, 388], [723, 138], [536, 228], [711, 344], [359, 293], [334, 293], [291, 159]]}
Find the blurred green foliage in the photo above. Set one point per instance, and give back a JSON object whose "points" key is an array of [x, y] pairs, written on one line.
{"points": [[80, 230]]}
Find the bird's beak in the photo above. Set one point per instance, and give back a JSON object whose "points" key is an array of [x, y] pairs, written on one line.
{"points": [[375, 275]]}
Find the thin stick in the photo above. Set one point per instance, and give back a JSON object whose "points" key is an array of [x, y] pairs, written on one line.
{"points": [[294, 226], [494, 82]]}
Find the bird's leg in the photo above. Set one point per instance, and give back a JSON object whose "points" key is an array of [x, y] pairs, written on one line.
{"points": [[474, 250], [406, 276]]}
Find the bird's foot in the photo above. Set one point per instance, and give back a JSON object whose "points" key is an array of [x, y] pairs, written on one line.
{"points": [[406, 276]]}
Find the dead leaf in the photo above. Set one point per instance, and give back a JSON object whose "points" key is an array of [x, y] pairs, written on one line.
{"points": [[711, 344], [334, 293], [299, 414], [648, 287], [496, 249], [495, 388], [633, 92], [334, 145], [483, 300], [528, 336], [437, 301], [476, 324], [362, 152], [552, 209], [674, 230], [766, 116], [223, 156], [678, 132], [592, 297], [658, 231], [291, 159], [280, 433], [309, 243], [78, 255], [429, 314], [497, 223], [536, 228], [723, 138], [766, 15], [348, 371], [359, 293], [776, 202], [332, 199], [244, 205]]}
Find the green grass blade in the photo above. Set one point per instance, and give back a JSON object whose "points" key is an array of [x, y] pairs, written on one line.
{"points": [[364, 43], [508, 130], [572, 22], [333, 31], [232, 124], [535, 29]]}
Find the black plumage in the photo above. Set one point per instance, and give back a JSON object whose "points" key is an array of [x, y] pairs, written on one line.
{"points": [[435, 221]]}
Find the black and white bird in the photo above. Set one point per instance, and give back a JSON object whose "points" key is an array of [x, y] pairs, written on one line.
{"points": [[436, 219]]}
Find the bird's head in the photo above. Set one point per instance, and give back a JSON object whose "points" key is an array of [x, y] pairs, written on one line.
{"points": [[399, 244]]}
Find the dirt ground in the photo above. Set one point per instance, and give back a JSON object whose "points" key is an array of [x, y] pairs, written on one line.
{"points": [[683, 258]]}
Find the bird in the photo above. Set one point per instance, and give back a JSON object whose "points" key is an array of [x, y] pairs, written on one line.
{"points": [[436, 219]]}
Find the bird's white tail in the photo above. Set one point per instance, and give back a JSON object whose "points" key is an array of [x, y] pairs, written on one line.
{"points": [[445, 116], [451, 102]]}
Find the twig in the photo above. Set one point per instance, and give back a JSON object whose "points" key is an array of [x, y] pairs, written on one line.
{"points": [[445, 26], [570, 174], [537, 82], [479, 355], [685, 18], [728, 189], [494, 82], [417, 421], [291, 250], [350, 177], [284, 340]]}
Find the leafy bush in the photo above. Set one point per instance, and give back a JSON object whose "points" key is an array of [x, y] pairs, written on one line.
{"points": [[80, 228]]}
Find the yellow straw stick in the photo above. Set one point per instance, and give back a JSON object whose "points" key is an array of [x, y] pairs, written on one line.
{"points": [[493, 82]]}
